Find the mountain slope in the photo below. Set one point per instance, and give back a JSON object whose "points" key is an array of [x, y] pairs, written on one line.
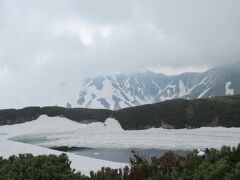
{"points": [[178, 113], [120, 91]]}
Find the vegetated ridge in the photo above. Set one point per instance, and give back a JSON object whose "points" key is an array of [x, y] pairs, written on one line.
{"points": [[178, 113]]}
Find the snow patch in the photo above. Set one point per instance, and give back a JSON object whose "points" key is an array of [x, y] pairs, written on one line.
{"points": [[203, 93], [64, 132], [93, 95], [201, 153], [202, 82], [43, 124], [182, 89], [228, 90], [80, 163], [49, 127], [122, 104], [183, 139]]}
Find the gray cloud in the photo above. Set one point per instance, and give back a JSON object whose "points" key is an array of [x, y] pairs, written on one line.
{"points": [[45, 43]]}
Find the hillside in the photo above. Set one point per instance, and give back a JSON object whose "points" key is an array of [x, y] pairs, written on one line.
{"points": [[178, 113], [124, 90]]}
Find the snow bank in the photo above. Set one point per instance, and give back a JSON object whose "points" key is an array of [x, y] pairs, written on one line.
{"points": [[80, 163], [45, 126], [228, 90], [183, 139], [63, 132], [52, 125]]}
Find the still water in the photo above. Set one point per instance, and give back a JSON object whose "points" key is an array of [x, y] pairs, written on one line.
{"points": [[117, 155], [110, 154]]}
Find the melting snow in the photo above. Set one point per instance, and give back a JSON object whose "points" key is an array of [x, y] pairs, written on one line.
{"points": [[182, 89], [201, 153], [228, 90], [45, 126], [203, 93], [93, 95], [202, 82], [80, 163], [63, 132]]}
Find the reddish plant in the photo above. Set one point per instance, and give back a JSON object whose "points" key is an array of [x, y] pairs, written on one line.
{"points": [[167, 162]]}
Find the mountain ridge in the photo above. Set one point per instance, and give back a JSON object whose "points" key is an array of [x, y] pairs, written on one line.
{"points": [[122, 90]]}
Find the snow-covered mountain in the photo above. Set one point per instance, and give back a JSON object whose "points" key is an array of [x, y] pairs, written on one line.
{"points": [[122, 90]]}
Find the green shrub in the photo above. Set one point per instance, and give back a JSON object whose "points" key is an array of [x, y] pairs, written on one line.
{"points": [[215, 164], [29, 167]]}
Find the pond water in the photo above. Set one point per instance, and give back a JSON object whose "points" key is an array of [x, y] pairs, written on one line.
{"points": [[110, 154], [33, 139], [117, 155]]}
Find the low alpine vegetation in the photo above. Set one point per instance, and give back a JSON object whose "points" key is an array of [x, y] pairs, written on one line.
{"points": [[215, 164]]}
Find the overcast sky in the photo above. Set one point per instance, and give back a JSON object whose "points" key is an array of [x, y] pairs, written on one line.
{"points": [[46, 43]]}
